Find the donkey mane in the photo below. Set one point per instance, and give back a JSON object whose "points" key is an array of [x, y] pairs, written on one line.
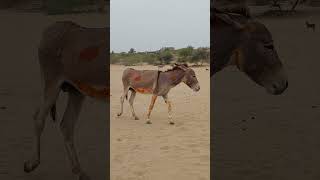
{"points": [[172, 69], [176, 67], [240, 11]]}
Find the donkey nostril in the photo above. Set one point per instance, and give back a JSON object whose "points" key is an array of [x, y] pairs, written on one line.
{"points": [[287, 84]]}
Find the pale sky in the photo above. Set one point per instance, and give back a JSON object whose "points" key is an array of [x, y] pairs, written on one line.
{"points": [[148, 25]]}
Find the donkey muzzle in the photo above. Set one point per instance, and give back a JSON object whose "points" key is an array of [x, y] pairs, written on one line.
{"points": [[196, 87]]}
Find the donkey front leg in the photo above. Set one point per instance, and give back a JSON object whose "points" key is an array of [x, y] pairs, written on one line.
{"points": [[50, 97], [168, 102], [153, 100], [67, 126]]}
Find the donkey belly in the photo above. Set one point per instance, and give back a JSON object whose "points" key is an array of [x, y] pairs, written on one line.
{"points": [[142, 81], [86, 67], [143, 90], [90, 79], [96, 91], [144, 87]]}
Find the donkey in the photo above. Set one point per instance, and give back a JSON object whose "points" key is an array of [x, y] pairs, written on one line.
{"points": [[310, 25], [72, 59], [241, 41], [157, 83]]}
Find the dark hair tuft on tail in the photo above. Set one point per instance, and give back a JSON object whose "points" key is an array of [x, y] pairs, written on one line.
{"points": [[53, 112]]}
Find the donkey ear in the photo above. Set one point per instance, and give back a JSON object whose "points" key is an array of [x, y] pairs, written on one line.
{"points": [[183, 67], [225, 18], [185, 64]]}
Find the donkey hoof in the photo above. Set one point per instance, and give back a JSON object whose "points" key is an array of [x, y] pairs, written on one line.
{"points": [[29, 166], [84, 177], [119, 114], [148, 122], [136, 118], [172, 123]]}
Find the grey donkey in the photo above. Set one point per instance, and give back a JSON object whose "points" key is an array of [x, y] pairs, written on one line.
{"points": [[241, 41], [72, 59], [157, 83]]}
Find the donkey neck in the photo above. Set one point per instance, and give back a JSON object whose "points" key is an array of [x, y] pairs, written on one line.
{"points": [[223, 51], [174, 77]]}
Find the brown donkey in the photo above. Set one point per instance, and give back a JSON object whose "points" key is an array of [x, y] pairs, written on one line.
{"points": [[311, 26], [157, 83], [248, 44], [72, 59]]}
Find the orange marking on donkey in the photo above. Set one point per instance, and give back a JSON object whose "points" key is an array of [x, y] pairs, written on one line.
{"points": [[173, 78], [92, 91], [144, 90], [138, 78], [89, 53]]}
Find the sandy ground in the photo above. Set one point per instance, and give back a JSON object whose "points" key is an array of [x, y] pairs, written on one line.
{"points": [[257, 136], [254, 135], [160, 151], [20, 95]]}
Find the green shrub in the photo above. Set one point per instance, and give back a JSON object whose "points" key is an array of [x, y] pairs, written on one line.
{"points": [[165, 56]]}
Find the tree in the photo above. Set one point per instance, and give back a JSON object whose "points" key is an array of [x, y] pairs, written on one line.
{"points": [[166, 57], [131, 51], [186, 52], [200, 54], [295, 5]]}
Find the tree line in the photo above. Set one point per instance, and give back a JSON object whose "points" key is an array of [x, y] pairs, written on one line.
{"points": [[279, 7], [166, 55]]}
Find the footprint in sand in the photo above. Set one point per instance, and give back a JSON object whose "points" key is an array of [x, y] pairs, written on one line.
{"points": [[118, 159], [192, 145], [164, 148], [195, 151], [139, 173]]}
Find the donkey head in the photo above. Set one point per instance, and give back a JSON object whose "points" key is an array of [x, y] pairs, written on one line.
{"points": [[256, 56], [189, 77]]}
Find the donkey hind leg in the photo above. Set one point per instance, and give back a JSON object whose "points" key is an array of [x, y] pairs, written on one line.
{"points": [[124, 95], [67, 126], [168, 102], [153, 100], [50, 97], [133, 95]]}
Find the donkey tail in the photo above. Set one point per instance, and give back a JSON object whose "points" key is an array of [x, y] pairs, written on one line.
{"points": [[130, 89], [53, 112]]}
